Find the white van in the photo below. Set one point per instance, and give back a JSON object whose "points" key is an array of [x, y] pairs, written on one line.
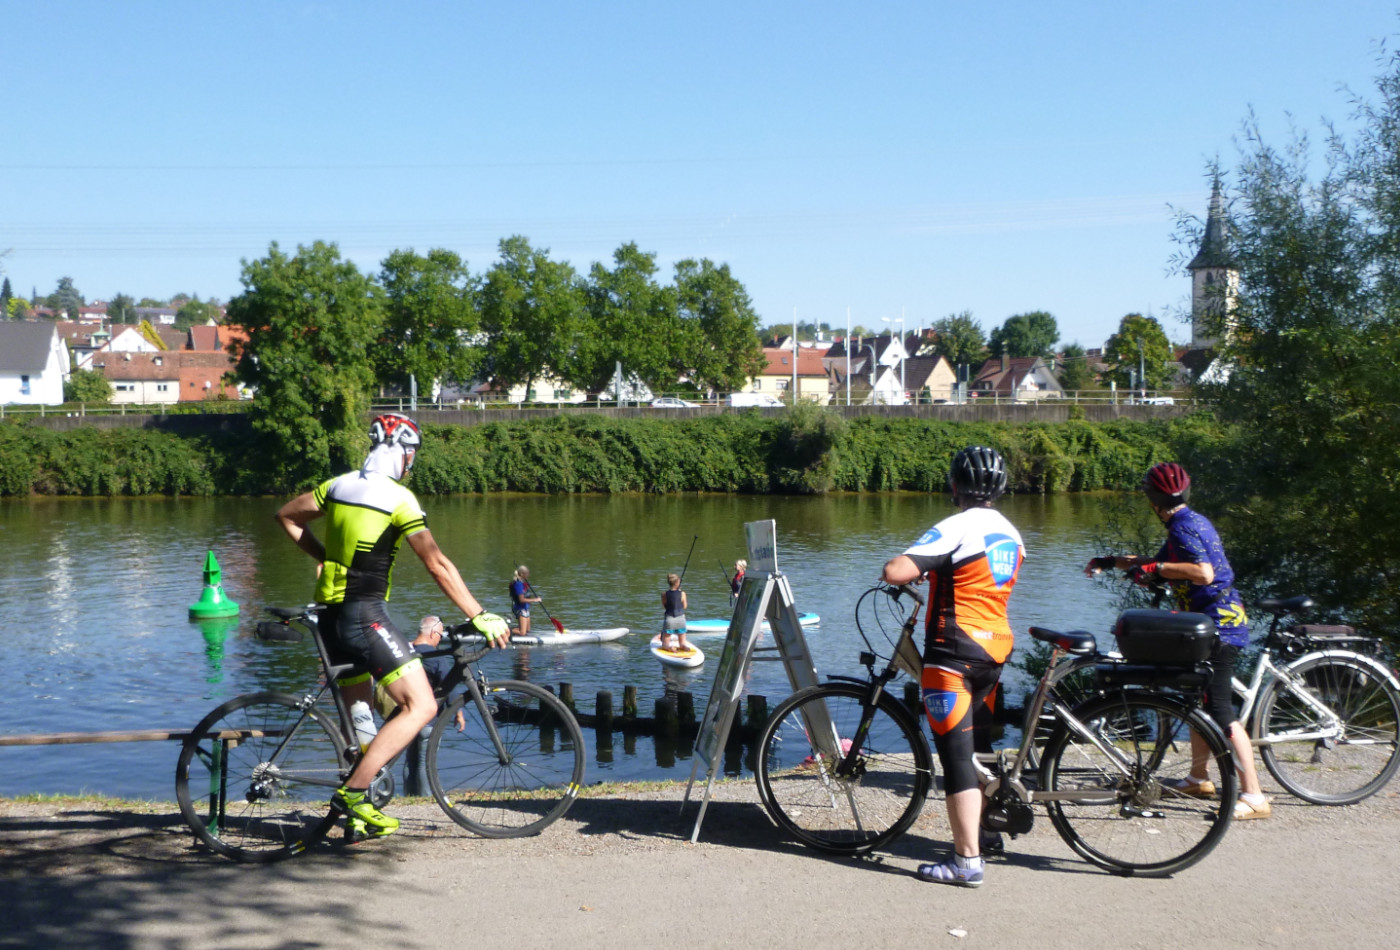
{"points": [[764, 400]]}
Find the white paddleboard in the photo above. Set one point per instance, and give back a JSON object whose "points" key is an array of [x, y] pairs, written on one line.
{"points": [[691, 657], [714, 625], [555, 639]]}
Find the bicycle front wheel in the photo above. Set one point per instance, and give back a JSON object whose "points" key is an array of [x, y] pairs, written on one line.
{"points": [[826, 804], [1320, 761], [255, 777], [514, 765], [1109, 795]]}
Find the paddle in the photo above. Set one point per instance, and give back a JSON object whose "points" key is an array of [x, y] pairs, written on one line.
{"points": [[534, 593], [687, 557]]}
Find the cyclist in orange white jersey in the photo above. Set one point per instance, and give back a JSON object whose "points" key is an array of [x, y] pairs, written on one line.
{"points": [[971, 560]]}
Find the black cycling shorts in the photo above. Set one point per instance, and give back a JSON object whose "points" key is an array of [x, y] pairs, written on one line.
{"points": [[360, 633], [1220, 694], [959, 697]]}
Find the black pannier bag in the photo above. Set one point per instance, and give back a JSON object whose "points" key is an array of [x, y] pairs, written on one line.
{"points": [[1164, 638]]}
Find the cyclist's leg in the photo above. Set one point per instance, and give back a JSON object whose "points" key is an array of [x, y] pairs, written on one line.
{"points": [[1222, 710], [417, 707], [954, 692], [363, 630]]}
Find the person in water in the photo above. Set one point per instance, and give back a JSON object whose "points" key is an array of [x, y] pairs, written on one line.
{"points": [[673, 622]]}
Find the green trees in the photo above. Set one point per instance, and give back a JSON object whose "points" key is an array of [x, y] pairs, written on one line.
{"points": [[1074, 374], [960, 338], [311, 320], [1139, 345], [6, 295], [1311, 480], [86, 385], [191, 312], [430, 320], [66, 299], [121, 309], [532, 312], [717, 327], [632, 320], [1025, 334]]}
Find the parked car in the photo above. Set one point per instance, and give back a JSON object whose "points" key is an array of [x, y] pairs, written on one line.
{"points": [[1159, 401], [671, 402]]}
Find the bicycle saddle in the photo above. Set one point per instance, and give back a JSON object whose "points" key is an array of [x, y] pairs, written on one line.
{"points": [[1075, 643], [1278, 606]]}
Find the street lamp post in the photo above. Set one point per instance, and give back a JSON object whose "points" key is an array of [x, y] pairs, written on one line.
{"points": [[903, 393]]}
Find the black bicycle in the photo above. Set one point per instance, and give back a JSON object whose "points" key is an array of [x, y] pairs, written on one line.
{"points": [[844, 767], [504, 758]]}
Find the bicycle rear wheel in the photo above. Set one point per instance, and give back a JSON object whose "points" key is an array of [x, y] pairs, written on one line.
{"points": [[1115, 809], [801, 785], [255, 777], [1314, 759], [519, 786]]}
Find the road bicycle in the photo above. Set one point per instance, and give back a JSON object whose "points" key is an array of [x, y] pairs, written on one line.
{"points": [[255, 777], [844, 766], [1325, 718]]}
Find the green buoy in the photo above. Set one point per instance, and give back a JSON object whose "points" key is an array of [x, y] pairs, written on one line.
{"points": [[212, 603]]}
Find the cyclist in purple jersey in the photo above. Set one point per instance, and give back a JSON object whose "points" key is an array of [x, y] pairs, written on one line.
{"points": [[1193, 561]]}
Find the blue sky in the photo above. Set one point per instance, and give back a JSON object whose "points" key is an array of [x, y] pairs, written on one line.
{"points": [[916, 158]]}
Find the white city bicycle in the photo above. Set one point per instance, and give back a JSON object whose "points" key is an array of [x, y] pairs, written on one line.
{"points": [[1325, 716]]}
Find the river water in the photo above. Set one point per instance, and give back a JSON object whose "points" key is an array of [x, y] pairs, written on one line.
{"points": [[94, 596]]}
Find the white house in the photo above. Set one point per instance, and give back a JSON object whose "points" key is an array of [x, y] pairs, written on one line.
{"points": [[33, 363]]}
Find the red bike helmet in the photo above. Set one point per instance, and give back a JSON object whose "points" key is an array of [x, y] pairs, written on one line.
{"points": [[1167, 485], [396, 429]]}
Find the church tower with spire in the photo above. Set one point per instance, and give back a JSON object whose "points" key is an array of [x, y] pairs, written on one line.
{"points": [[1215, 280]]}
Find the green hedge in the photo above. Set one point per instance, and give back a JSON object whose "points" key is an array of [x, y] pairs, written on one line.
{"points": [[800, 452]]}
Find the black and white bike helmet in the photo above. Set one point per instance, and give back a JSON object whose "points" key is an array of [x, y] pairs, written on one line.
{"points": [[978, 474]]}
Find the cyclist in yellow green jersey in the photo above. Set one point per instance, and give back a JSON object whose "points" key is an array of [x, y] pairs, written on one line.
{"points": [[368, 515]]}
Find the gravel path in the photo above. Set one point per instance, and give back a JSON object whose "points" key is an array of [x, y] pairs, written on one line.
{"points": [[619, 871]]}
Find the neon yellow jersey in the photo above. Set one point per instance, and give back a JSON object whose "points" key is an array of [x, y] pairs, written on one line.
{"points": [[368, 517]]}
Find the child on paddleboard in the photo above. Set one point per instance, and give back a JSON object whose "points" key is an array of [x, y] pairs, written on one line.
{"points": [[673, 623]]}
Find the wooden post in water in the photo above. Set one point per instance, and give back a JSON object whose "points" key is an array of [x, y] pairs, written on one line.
{"points": [[666, 722], [685, 707], [566, 694], [603, 709], [629, 702], [758, 713]]}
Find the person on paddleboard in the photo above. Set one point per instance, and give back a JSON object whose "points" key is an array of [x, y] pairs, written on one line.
{"points": [[673, 622], [520, 599], [971, 560], [741, 567]]}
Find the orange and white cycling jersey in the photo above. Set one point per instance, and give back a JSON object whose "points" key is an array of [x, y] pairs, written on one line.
{"points": [[971, 560]]}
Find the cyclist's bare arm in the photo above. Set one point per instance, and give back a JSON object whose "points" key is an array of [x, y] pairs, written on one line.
{"points": [[294, 517], [900, 570], [445, 573], [1198, 574]]}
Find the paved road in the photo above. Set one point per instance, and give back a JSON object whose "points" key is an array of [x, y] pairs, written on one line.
{"points": [[619, 872]]}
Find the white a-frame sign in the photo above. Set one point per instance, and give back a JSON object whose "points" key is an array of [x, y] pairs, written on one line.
{"points": [[766, 596]]}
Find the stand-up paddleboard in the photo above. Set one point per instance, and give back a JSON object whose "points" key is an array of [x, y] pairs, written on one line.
{"points": [[713, 625], [691, 656], [568, 638]]}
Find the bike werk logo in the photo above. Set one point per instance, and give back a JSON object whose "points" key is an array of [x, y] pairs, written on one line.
{"points": [[1003, 554]]}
